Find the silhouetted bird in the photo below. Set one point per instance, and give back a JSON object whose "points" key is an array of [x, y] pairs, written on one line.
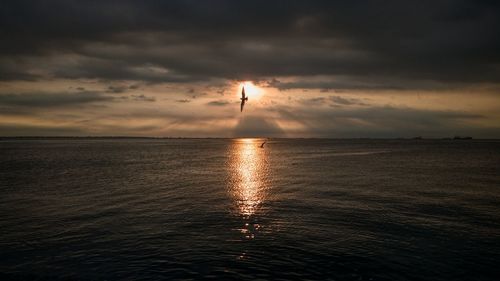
{"points": [[243, 99], [262, 145]]}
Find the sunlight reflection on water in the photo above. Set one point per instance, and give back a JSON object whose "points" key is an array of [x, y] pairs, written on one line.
{"points": [[248, 167], [249, 173]]}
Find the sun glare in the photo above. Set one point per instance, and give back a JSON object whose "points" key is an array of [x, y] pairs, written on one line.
{"points": [[252, 91]]}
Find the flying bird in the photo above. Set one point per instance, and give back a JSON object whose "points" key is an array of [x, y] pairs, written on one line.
{"points": [[243, 99], [262, 145]]}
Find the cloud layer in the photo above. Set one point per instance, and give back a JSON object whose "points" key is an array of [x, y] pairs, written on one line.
{"points": [[173, 68], [185, 41]]}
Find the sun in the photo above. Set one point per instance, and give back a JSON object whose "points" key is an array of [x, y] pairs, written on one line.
{"points": [[252, 91]]}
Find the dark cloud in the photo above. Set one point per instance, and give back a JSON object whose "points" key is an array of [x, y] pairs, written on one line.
{"points": [[371, 82], [333, 101], [346, 101], [218, 103], [313, 101], [386, 121], [27, 130], [116, 89], [143, 98], [389, 44], [47, 100]]}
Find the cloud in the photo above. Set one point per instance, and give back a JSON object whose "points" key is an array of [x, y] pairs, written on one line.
{"points": [[346, 101], [332, 101], [383, 121], [255, 126], [362, 82], [319, 54], [142, 97], [401, 44], [13, 130], [47, 100], [116, 89], [313, 101], [218, 103]]}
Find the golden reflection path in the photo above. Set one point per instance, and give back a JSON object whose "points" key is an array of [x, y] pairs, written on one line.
{"points": [[248, 169]]}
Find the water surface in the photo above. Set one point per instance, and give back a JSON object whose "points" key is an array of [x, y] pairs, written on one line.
{"points": [[153, 209]]}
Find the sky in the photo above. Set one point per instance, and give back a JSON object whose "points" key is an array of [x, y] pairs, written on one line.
{"points": [[336, 69]]}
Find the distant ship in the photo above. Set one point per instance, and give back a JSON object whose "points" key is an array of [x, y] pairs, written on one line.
{"points": [[462, 138]]}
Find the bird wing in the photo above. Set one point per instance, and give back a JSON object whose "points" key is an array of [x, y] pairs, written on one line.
{"points": [[243, 93], [242, 104]]}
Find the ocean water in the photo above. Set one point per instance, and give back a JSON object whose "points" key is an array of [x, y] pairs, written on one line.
{"points": [[297, 209]]}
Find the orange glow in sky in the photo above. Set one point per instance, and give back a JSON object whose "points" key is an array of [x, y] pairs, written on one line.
{"points": [[251, 91]]}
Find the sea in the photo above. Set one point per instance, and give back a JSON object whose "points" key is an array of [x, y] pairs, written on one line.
{"points": [[229, 209]]}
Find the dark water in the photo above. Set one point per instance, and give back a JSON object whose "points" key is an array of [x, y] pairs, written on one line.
{"points": [[226, 209]]}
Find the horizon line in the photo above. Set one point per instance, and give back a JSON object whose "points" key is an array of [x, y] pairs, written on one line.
{"points": [[249, 137]]}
